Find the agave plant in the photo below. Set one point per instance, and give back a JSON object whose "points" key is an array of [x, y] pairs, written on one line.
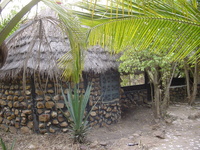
{"points": [[4, 147], [76, 103]]}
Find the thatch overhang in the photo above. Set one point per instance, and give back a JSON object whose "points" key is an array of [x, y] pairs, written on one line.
{"points": [[40, 44], [3, 54]]}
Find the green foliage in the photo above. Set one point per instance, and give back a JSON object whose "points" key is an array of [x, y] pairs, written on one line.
{"points": [[3, 145], [76, 103], [7, 19], [15, 20], [133, 60]]}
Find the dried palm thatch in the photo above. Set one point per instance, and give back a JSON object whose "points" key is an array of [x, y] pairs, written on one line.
{"points": [[3, 54], [40, 44]]}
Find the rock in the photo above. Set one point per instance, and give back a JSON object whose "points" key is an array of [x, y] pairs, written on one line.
{"points": [[168, 121], [6, 92], [54, 114], [17, 93], [93, 113], [27, 92], [27, 112], [60, 118], [40, 105], [4, 127], [24, 104], [28, 87], [17, 125], [159, 134], [83, 147], [1, 119], [16, 104], [64, 124], [55, 121], [49, 85], [52, 130], [50, 91], [10, 104], [39, 99], [56, 98], [49, 104], [10, 98], [109, 109], [43, 131], [94, 144], [103, 143], [47, 98], [194, 116], [2, 102], [25, 130], [65, 129], [38, 92], [41, 125], [44, 117], [15, 98], [30, 124], [12, 129], [131, 137], [32, 147], [60, 105], [21, 98], [40, 111], [108, 115]]}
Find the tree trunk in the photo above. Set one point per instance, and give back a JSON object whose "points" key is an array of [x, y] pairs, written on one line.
{"points": [[194, 90], [187, 77], [166, 99], [157, 95]]}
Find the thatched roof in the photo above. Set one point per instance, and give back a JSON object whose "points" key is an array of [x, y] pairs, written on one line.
{"points": [[38, 47]]}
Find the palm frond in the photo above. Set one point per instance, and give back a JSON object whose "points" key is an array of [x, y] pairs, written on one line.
{"points": [[13, 22], [157, 34]]}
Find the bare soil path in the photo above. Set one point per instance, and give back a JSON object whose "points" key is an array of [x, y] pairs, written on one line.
{"points": [[137, 130]]}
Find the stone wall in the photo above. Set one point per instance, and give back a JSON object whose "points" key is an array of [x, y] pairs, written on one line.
{"points": [[178, 93], [38, 108], [103, 113], [133, 98], [16, 106], [136, 97]]}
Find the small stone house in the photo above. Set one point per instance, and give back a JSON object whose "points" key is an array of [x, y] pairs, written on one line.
{"points": [[32, 63]]}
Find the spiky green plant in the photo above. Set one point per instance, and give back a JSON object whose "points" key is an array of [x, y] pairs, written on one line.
{"points": [[4, 147], [76, 103]]}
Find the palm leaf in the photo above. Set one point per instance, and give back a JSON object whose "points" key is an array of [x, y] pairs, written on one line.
{"points": [[166, 26], [13, 22], [157, 34]]}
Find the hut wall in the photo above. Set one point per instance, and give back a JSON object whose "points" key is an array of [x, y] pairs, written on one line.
{"points": [[38, 109], [16, 106], [105, 112]]}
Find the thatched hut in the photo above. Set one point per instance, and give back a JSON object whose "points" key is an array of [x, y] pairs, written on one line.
{"points": [[32, 63]]}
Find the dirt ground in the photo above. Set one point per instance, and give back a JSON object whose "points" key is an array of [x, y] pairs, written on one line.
{"points": [[137, 130]]}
